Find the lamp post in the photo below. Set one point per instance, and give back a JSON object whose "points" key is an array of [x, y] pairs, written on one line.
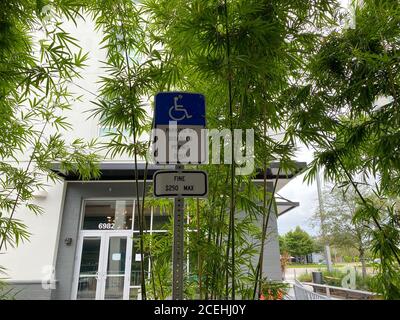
{"points": [[323, 232]]}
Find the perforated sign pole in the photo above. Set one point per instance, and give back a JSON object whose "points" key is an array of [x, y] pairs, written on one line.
{"points": [[177, 251], [184, 110]]}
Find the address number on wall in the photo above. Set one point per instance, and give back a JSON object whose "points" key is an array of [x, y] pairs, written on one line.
{"points": [[105, 226]]}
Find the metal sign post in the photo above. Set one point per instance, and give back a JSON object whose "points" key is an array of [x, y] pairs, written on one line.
{"points": [[181, 110], [178, 242], [321, 212]]}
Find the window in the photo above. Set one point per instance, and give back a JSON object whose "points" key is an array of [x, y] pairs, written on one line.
{"points": [[136, 264], [154, 221], [160, 219], [147, 218], [107, 215], [119, 214]]}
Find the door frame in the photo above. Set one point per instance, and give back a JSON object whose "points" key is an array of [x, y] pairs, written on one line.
{"points": [[104, 236]]}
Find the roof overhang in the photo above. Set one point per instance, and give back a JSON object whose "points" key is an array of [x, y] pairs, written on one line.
{"points": [[126, 171], [111, 171], [285, 206], [284, 176], [273, 170]]}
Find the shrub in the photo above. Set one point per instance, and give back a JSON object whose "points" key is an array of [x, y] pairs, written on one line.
{"points": [[273, 290], [335, 277], [305, 277]]}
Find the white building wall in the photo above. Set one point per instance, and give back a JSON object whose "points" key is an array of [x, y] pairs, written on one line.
{"points": [[27, 261], [30, 260]]}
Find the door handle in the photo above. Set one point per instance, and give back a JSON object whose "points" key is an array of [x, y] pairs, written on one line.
{"points": [[100, 275]]}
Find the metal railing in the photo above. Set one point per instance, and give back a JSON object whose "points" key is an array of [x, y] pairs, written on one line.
{"points": [[340, 292], [301, 293]]}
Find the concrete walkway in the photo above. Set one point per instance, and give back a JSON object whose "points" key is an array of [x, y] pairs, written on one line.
{"points": [[294, 273]]}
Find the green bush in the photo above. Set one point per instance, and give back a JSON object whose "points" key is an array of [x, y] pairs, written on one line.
{"points": [[335, 277], [347, 259], [273, 290], [305, 277]]}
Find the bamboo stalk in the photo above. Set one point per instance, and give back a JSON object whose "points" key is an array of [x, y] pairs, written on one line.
{"points": [[264, 234], [199, 261], [231, 231], [140, 214], [264, 210]]}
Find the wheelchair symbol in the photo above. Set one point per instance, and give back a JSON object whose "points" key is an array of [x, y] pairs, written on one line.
{"points": [[173, 110]]}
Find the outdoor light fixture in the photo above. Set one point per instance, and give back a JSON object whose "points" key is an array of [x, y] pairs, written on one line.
{"points": [[68, 241]]}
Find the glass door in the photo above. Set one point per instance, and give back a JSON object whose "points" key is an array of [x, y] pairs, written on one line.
{"points": [[89, 269], [114, 275], [102, 270]]}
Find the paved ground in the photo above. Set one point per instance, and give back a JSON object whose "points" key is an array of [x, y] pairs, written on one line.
{"points": [[294, 273]]}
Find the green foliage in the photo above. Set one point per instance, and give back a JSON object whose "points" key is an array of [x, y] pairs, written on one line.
{"points": [[274, 290], [282, 244], [183, 45], [338, 226], [347, 110], [381, 215], [38, 60], [298, 242], [261, 64], [335, 277]]}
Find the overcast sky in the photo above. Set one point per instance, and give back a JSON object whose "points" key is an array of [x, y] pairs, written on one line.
{"points": [[298, 191]]}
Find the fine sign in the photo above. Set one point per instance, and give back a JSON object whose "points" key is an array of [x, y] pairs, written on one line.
{"points": [[185, 183]]}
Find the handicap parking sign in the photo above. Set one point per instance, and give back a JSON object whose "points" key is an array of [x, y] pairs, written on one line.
{"points": [[175, 112], [187, 109]]}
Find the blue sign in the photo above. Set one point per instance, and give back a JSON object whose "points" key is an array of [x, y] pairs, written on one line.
{"points": [[185, 108]]}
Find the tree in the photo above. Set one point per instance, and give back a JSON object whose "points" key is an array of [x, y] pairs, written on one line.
{"points": [[299, 243], [347, 110], [282, 244], [242, 55], [38, 61], [272, 66], [340, 228]]}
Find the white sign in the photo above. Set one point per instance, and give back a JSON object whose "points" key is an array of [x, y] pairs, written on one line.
{"points": [[185, 183], [116, 257]]}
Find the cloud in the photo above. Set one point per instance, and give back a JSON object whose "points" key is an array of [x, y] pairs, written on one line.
{"points": [[306, 195]]}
